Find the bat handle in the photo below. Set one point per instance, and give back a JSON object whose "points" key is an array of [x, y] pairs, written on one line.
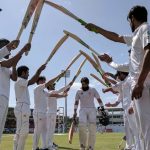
{"points": [[84, 24], [29, 41], [20, 32]]}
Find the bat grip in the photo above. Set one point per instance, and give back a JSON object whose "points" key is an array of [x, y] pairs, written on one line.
{"points": [[82, 22]]}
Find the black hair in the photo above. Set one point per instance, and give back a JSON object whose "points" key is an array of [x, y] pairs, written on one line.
{"points": [[21, 69], [139, 13], [124, 73], [41, 78], [85, 79], [3, 42]]}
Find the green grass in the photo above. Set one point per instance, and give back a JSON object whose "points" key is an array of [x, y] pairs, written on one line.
{"points": [[105, 141]]}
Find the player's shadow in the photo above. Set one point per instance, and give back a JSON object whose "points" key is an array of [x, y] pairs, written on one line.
{"points": [[67, 148]]}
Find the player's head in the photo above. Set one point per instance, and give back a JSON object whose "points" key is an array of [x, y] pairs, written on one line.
{"points": [[4, 42], [41, 80], [122, 75], [85, 83], [23, 72], [137, 14], [51, 87]]}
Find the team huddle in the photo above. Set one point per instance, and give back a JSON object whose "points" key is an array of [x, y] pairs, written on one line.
{"points": [[131, 84]]}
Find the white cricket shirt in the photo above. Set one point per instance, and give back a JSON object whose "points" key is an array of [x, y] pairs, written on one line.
{"points": [[86, 98]]}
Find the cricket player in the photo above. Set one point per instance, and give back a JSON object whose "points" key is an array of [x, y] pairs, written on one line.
{"points": [[87, 114], [22, 108], [139, 65], [52, 112], [131, 130], [5, 75], [6, 47], [40, 112]]}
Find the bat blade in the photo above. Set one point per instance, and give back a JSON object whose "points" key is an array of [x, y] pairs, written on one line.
{"points": [[36, 19], [29, 12], [71, 132], [61, 41], [98, 63], [98, 79], [71, 63], [79, 71], [75, 37], [65, 11]]}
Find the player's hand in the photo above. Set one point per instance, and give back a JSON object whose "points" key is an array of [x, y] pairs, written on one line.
{"points": [[104, 90], [106, 58], [130, 110], [65, 94], [13, 45], [137, 91], [91, 27], [108, 104], [27, 47]]}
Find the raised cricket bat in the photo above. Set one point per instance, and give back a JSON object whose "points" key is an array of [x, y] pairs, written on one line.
{"points": [[94, 64], [75, 37], [79, 71], [71, 63], [98, 79], [65, 11], [35, 20], [61, 41], [98, 63], [55, 78], [29, 12]]}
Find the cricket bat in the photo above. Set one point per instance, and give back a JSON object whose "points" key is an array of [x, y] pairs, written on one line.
{"points": [[29, 12], [98, 62], [61, 41], [35, 20], [68, 13], [94, 64], [71, 63], [75, 37], [65, 11], [71, 131], [79, 71], [98, 79]]}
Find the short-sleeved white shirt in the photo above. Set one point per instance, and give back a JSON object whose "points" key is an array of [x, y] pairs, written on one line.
{"points": [[52, 101], [124, 88], [138, 41], [40, 98], [4, 52], [21, 91], [86, 98], [5, 81]]}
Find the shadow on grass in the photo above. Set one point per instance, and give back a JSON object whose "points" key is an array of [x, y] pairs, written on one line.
{"points": [[67, 148]]}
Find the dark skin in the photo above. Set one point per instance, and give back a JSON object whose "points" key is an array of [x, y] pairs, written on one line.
{"points": [[134, 24]]}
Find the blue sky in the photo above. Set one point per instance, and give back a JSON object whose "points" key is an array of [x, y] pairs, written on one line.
{"points": [[109, 14]]}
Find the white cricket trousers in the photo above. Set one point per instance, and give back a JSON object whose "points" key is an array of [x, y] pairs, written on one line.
{"points": [[143, 114], [3, 113], [40, 129], [87, 120], [132, 134], [22, 113], [51, 124]]}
